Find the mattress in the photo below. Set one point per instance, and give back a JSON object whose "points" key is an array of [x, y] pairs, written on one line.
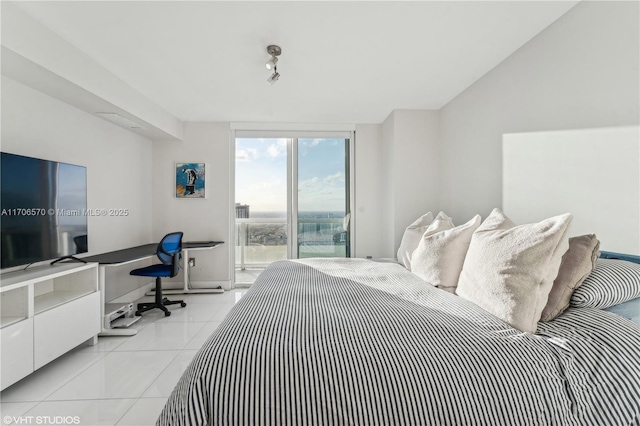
{"points": [[351, 341]]}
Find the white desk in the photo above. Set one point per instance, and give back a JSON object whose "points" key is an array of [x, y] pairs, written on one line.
{"points": [[119, 258]]}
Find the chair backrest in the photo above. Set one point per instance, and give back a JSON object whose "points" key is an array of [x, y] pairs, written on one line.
{"points": [[82, 244], [169, 249]]}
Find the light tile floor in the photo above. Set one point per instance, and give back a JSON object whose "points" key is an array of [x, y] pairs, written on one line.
{"points": [[121, 380], [247, 276]]}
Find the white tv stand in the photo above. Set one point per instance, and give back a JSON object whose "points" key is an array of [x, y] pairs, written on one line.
{"points": [[45, 312]]}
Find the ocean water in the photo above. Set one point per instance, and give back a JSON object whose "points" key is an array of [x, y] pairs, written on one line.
{"points": [[304, 215]]}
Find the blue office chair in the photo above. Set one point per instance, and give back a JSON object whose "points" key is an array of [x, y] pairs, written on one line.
{"points": [[169, 252]]}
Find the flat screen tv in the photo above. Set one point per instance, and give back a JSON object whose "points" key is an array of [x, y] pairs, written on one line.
{"points": [[43, 206]]}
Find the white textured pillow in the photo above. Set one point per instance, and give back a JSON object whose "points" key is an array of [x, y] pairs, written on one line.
{"points": [[411, 238], [509, 269], [440, 254], [443, 216]]}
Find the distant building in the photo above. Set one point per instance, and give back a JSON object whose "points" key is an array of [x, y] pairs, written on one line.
{"points": [[242, 211]]}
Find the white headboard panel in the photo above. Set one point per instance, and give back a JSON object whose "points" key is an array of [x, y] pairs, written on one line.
{"points": [[592, 173]]}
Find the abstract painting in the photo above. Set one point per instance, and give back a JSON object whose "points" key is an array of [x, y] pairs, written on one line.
{"points": [[190, 180]]}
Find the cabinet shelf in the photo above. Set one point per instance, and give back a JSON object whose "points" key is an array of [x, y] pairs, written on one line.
{"points": [[7, 321], [51, 300], [15, 279]]}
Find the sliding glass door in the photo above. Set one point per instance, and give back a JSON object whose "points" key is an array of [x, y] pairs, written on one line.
{"points": [[322, 204], [262, 199], [291, 201]]}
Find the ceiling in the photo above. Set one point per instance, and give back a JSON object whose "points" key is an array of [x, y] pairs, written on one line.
{"points": [[341, 62]]}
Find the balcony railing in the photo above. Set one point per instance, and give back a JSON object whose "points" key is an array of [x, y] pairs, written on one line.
{"points": [[262, 241]]}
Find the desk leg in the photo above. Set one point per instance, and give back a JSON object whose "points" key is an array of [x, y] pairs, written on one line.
{"points": [[186, 270], [102, 280], [185, 287]]}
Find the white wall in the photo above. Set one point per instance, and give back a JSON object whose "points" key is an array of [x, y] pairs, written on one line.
{"points": [[581, 72], [118, 162], [410, 171], [387, 172], [199, 219], [369, 203], [546, 173]]}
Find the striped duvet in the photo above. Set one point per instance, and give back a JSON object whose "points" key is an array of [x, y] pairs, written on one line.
{"points": [[357, 342]]}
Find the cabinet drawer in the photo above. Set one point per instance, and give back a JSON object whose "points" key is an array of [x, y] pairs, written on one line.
{"points": [[16, 353], [59, 330]]}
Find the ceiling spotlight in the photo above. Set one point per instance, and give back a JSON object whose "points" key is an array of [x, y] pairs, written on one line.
{"points": [[273, 78], [272, 63]]}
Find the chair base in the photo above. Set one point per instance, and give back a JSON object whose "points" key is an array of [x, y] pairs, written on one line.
{"points": [[144, 307], [160, 302]]}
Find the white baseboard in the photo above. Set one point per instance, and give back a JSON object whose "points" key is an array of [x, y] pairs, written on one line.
{"points": [[226, 285], [170, 285], [133, 295], [175, 285]]}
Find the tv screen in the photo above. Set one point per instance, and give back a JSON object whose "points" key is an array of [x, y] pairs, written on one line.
{"points": [[43, 207]]}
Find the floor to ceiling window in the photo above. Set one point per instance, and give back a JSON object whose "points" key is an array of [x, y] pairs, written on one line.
{"points": [[292, 200], [322, 205]]}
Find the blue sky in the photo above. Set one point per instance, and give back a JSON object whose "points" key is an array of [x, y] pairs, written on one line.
{"points": [[261, 174]]}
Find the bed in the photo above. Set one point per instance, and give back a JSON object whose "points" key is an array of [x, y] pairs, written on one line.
{"points": [[360, 342]]}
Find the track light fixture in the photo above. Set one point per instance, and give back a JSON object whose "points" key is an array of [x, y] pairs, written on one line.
{"points": [[273, 78], [272, 63]]}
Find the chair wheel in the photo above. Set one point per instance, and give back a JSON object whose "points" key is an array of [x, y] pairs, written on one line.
{"points": [[183, 304], [167, 313], [138, 314]]}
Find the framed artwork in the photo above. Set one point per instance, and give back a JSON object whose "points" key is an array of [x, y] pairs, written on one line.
{"points": [[190, 182]]}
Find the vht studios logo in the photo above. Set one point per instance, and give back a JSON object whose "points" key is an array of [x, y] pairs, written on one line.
{"points": [[41, 420]]}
